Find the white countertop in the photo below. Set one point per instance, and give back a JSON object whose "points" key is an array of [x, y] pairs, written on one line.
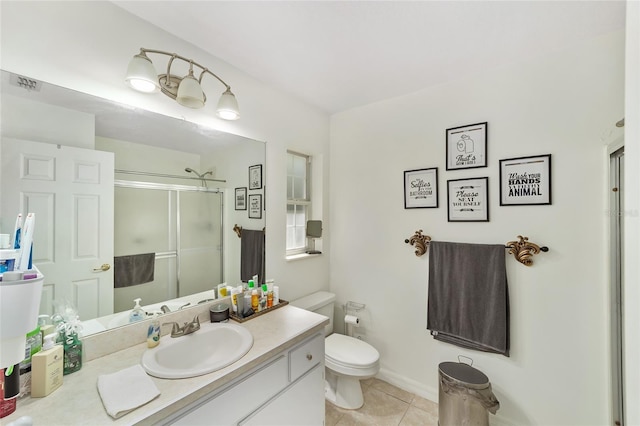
{"points": [[78, 401]]}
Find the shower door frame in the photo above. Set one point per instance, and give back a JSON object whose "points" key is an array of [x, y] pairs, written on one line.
{"points": [[180, 188]]}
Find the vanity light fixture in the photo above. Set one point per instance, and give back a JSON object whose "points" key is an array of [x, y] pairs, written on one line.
{"points": [[187, 90]]}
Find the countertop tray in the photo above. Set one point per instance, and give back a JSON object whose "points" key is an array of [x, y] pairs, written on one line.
{"points": [[235, 317]]}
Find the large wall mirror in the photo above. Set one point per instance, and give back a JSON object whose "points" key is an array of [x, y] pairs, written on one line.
{"points": [[129, 204]]}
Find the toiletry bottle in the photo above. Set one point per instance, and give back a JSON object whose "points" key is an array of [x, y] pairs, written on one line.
{"points": [[263, 297], [255, 302], [234, 299], [137, 314], [276, 294], [153, 333], [7, 406], [9, 389], [72, 353], [47, 368], [32, 346], [247, 303], [269, 298]]}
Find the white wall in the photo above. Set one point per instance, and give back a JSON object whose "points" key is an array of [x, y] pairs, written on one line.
{"points": [[559, 104], [86, 46]]}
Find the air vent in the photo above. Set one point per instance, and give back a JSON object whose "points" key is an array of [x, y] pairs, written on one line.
{"points": [[25, 82]]}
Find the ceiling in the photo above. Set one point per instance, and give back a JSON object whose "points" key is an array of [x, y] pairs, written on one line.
{"points": [[338, 55]]}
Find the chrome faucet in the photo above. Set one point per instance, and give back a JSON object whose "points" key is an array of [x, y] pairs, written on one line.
{"points": [[187, 328]]}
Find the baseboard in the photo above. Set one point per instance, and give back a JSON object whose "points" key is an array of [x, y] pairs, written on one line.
{"points": [[417, 388]]}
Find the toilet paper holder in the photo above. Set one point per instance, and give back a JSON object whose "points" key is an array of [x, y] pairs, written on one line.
{"points": [[351, 309]]}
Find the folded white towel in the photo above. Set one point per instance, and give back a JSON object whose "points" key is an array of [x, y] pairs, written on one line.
{"points": [[126, 390]]}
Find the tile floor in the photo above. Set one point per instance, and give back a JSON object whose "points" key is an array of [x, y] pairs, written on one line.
{"points": [[384, 405]]}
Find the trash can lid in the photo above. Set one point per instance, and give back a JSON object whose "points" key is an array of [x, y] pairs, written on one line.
{"points": [[463, 373]]}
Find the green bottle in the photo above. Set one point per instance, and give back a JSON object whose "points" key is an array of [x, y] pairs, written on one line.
{"points": [[72, 353]]}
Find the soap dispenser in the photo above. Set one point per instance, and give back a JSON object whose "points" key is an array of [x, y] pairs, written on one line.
{"points": [[137, 314]]}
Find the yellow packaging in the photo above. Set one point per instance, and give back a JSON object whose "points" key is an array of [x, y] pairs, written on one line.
{"points": [[46, 371]]}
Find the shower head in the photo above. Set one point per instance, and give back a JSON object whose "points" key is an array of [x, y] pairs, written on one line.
{"points": [[189, 170]]}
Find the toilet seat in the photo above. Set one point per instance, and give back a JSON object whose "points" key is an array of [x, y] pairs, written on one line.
{"points": [[350, 356]]}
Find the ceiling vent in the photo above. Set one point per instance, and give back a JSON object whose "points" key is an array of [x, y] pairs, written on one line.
{"points": [[25, 82]]}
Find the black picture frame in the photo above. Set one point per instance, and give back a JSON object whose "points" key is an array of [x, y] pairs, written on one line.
{"points": [[255, 176], [255, 206], [421, 188], [468, 200], [466, 146], [525, 181], [241, 198]]}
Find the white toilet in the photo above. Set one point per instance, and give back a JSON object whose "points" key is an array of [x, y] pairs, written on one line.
{"points": [[347, 359]]}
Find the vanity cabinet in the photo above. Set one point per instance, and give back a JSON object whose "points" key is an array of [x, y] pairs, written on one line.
{"points": [[287, 389]]}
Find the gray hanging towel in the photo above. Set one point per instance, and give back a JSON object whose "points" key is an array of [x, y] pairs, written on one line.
{"points": [[468, 297], [252, 255], [133, 269]]}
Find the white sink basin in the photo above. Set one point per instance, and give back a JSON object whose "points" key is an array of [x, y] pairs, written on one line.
{"points": [[214, 346]]}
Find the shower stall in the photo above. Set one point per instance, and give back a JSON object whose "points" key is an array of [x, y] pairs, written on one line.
{"points": [[182, 226]]}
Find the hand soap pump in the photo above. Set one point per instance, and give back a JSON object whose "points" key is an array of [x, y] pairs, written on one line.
{"points": [[137, 314]]}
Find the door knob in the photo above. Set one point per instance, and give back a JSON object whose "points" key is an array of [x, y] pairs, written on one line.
{"points": [[105, 267]]}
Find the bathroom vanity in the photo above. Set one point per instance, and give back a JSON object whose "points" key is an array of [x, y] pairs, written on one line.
{"points": [[279, 381]]}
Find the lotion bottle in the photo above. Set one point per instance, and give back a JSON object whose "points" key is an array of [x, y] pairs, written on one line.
{"points": [[47, 368], [153, 333]]}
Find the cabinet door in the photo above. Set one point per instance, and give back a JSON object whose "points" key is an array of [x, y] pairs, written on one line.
{"points": [[300, 404], [241, 399]]}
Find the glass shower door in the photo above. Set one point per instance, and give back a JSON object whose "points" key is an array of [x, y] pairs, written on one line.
{"points": [[200, 241]]}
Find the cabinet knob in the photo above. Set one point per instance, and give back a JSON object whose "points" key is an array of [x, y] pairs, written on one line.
{"points": [[309, 357]]}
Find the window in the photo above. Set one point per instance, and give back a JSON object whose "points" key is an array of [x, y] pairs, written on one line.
{"points": [[298, 201]]}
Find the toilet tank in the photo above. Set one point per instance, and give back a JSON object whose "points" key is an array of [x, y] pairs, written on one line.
{"points": [[320, 303]]}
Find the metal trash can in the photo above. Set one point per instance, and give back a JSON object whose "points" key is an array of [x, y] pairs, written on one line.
{"points": [[465, 396]]}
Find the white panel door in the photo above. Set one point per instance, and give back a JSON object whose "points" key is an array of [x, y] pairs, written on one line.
{"points": [[70, 190]]}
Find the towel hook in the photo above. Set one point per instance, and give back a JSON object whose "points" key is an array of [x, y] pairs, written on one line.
{"points": [[523, 250], [420, 241]]}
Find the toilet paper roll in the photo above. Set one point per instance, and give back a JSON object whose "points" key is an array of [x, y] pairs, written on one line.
{"points": [[352, 319]]}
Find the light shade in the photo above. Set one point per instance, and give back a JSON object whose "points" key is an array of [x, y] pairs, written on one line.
{"points": [[190, 93], [228, 106], [141, 74]]}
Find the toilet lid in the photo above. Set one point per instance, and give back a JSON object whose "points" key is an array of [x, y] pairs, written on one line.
{"points": [[349, 350]]}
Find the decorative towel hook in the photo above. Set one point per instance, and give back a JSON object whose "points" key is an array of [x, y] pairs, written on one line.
{"points": [[420, 241], [523, 250]]}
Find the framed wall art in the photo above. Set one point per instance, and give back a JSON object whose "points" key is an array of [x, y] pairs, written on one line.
{"points": [[255, 206], [467, 146], [241, 198], [421, 188], [255, 177], [468, 200], [525, 181]]}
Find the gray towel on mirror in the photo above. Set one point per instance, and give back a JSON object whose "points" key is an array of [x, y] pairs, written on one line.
{"points": [[252, 255], [133, 269], [468, 302]]}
